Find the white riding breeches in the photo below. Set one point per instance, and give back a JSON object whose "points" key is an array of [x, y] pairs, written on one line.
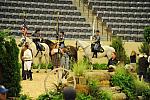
{"points": [[27, 65]]}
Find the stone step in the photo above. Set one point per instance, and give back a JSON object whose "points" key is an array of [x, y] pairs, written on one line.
{"points": [[116, 93], [99, 75]]}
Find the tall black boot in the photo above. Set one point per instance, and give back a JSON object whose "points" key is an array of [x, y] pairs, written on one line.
{"points": [[96, 54], [23, 69], [30, 74], [93, 54], [25, 74]]}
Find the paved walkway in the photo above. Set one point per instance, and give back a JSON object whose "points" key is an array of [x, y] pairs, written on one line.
{"points": [[35, 87]]}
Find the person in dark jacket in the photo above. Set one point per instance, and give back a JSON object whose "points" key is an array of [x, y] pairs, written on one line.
{"points": [[113, 61], [69, 93], [133, 61], [142, 68], [62, 40], [96, 43]]}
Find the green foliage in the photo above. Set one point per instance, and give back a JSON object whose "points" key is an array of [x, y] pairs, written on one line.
{"points": [[118, 46], [43, 66], [124, 80], [3, 35], [9, 63], [146, 94], [141, 87], [80, 67], [105, 95], [98, 66], [96, 93], [145, 47], [24, 97], [51, 96], [93, 88], [147, 34], [43, 97], [82, 96]]}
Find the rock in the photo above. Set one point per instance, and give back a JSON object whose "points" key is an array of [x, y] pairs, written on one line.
{"points": [[105, 83], [98, 75], [119, 96]]}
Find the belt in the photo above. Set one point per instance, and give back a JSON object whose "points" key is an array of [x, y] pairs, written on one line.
{"points": [[28, 60]]}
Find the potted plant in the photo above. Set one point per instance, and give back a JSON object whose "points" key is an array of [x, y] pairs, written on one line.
{"points": [[79, 69]]}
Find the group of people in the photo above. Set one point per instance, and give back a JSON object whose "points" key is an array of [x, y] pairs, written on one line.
{"points": [[142, 69], [60, 56], [59, 53], [143, 66]]}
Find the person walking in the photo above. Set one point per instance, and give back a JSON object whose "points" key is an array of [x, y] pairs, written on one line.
{"points": [[142, 67]]}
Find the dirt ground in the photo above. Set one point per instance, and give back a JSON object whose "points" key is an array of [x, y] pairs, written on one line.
{"points": [[36, 87]]}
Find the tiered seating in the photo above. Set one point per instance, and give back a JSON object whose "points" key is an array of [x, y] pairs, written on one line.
{"points": [[45, 15], [128, 17]]}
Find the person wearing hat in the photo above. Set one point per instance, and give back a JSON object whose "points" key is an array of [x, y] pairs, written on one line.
{"points": [[96, 43], [24, 31], [69, 93], [3, 92]]}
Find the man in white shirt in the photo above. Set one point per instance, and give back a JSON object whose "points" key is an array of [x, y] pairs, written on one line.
{"points": [[27, 57]]}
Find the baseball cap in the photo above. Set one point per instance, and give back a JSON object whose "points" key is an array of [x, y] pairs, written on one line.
{"points": [[3, 89]]}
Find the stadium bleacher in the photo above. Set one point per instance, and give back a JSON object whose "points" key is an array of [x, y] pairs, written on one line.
{"points": [[123, 17], [43, 15]]}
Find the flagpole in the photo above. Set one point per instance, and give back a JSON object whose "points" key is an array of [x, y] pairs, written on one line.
{"points": [[57, 30], [93, 30]]}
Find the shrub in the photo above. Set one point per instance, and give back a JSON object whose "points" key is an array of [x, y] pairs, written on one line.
{"points": [[140, 86], [24, 97], [93, 88], [118, 46], [96, 93], [51, 96], [146, 94], [43, 66], [82, 96], [97, 66], [124, 80], [105, 95], [80, 67], [10, 77], [144, 48], [147, 34]]}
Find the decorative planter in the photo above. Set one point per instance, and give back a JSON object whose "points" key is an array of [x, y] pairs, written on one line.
{"points": [[80, 80]]}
